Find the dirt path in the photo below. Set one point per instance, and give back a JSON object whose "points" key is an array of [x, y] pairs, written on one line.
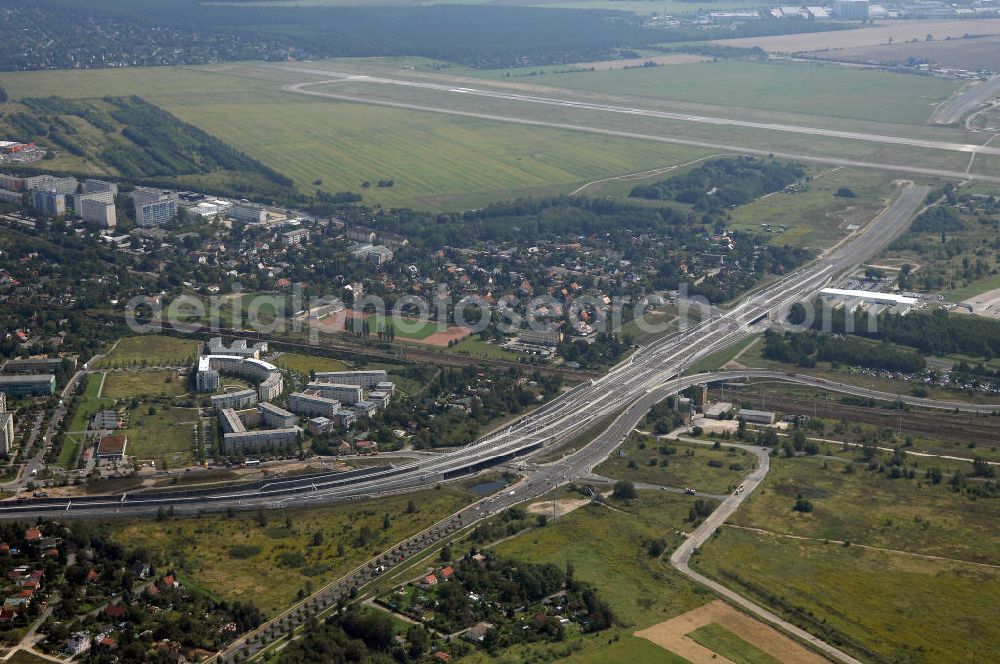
{"points": [[672, 635], [643, 175], [869, 547]]}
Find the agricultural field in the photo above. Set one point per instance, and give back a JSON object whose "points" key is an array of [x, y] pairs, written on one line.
{"points": [[868, 508], [817, 90], [640, 459], [151, 383], [268, 563], [972, 54], [149, 350], [940, 610], [720, 640], [876, 34], [163, 434]]}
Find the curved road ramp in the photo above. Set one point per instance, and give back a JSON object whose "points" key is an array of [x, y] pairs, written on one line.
{"points": [[952, 111]]}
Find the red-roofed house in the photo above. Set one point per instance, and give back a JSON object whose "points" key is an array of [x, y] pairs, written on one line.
{"points": [[429, 580], [32, 535], [446, 572], [115, 611]]}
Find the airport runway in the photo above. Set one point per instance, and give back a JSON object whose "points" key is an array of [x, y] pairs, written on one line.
{"points": [[912, 169], [338, 77]]}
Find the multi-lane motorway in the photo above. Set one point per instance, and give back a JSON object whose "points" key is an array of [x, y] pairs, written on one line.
{"points": [[628, 391], [649, 376]]}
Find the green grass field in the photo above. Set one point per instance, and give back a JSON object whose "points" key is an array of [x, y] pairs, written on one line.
{"points": [[815, 217], [819, 90], [868, 508], [24, 657], [166, 437], [303, 364], [88, 404], [880, 606], [975, 288], [688, 467], [715, 361], [609, 550], [69, 451], [430, 157], [236, 559], [473, 346], [150, 350], [150, 383], [721, 641], [635, 6]]}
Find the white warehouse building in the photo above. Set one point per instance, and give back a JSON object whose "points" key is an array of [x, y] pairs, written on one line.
{"points": [[869, 297]]}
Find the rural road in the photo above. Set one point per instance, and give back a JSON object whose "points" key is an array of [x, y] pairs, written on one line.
{"points": [[682, 556], [953, 110], [833, 161]]}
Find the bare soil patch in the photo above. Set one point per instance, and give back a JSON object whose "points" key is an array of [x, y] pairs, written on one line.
{"points": [[563, 506], [899, 31], [986, 304], [672, 635], [972, 54]]}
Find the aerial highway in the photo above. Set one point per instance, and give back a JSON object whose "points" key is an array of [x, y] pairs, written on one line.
{"points": [[649, 375]]}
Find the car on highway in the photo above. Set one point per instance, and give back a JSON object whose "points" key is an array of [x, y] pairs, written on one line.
{"points": [[689, 491]]}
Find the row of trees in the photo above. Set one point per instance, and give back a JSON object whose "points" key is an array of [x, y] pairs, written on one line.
{"points": [[806, 349], [722, 183]]}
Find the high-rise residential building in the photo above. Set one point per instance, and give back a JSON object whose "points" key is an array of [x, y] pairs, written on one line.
{"points": [[49, 203], [154, 207], [91, 186], [6, 432], [97, 212]]}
